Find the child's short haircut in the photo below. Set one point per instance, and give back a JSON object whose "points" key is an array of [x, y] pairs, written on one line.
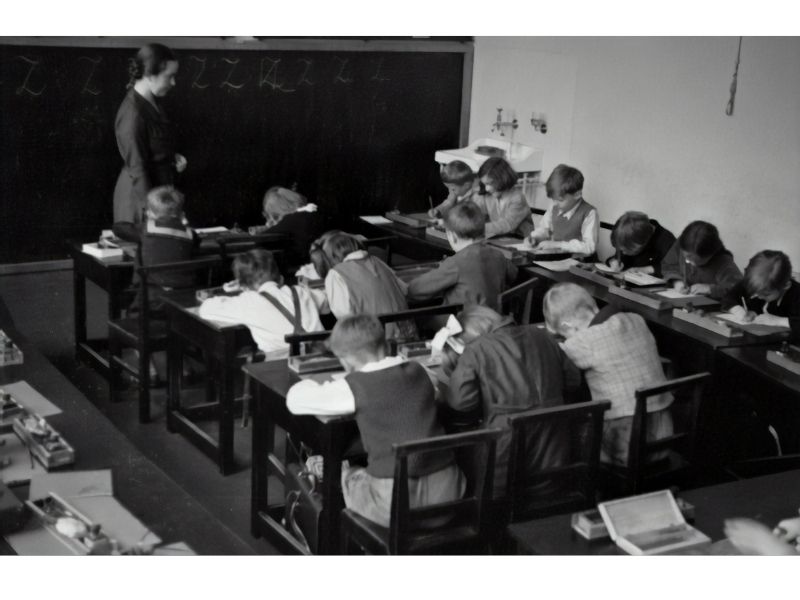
{"points": [[499, 172], [320, 251], [457, 172], [165, 201], [564, 180], [340, 245], [632, 232], [254, 267], [768, 271], [477, 320], [564, 301], [466, 220], [279, 201], [700, 238], [360, 336]]}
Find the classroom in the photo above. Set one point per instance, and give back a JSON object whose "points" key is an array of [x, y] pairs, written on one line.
{"points": [[574, 260]]}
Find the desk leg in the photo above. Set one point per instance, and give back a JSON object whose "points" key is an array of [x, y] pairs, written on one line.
{"points": [[174, 371], [332, 450], [79, 305], [226, 403], [263, 446]]}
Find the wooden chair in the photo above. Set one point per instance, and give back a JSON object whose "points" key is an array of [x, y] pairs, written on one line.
{"points": [[644, 471], [465, 527], [297, 340], [147, 331], [567, 487], [518, 301]]}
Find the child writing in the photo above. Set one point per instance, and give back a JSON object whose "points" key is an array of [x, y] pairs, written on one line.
{"points": [[618, 355], [290, 213], [698, 263], [393, 401], [767, 295], [506, 369], [570, 223], [164, 237], [460, 182], [269, 309], [357, 282], [641, 243], [476, 273], [505, 207]]}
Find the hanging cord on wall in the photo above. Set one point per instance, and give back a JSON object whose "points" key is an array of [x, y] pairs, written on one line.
{"points": [[729, 108]]}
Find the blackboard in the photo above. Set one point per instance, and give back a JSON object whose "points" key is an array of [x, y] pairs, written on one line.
{"points": [[355, 130]]}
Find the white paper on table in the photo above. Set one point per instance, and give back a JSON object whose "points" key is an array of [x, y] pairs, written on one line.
{"points": [[604, 268], [32, 400], [117, 522], [207, 230], [376, 220], [72, 484], [522, 247], [733, 318], [23, 467], [642, 279], [557, 265], [676, 295], [176, 549]]}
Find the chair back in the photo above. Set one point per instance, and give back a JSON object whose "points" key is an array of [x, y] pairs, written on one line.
{"points": [[518, 300], [228, 246], [687, 396], [296, 340], [460, 522], [567, 486]]}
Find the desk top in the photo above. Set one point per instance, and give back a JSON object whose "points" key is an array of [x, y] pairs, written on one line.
{"points": [[138, 483], [754, 358], [767, 499]]}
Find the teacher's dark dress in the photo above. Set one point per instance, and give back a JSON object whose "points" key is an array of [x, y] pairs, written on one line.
{"points": [[146, 142]]}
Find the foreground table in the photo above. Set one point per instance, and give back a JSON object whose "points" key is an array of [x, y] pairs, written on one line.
{"points": [[767, 499]]}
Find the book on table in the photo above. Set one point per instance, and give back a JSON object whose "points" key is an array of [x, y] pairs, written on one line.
{"points": [[650, 524]]}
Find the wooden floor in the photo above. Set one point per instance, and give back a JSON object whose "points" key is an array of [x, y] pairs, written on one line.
{"points": [[41, 306]]}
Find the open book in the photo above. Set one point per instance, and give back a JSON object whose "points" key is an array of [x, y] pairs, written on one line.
{"points": [[650, 524]]}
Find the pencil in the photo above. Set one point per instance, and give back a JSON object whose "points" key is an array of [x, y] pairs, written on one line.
{"points": [[430, 201], [744, 304]]}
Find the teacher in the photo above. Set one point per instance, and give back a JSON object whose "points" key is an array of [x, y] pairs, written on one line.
{"points": [[145, 136]]}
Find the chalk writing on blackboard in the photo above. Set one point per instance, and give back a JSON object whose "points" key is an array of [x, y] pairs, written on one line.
{"points": [[270, 79], [233, 62], [378, 75], [201, 68], [88, 87], [341, 76], [24, 89], [304, 80]]}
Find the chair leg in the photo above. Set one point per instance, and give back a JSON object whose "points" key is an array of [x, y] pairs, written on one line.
{"points": [[246, 397], [144, 386]]}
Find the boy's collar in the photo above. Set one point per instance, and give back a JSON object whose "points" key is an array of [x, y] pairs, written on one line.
{"points": [[384, 363]]}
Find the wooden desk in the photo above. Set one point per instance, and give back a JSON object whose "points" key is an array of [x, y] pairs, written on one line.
{"points": [[775, 390], [767, 499], [138, 484], [411, 242], [220, 344], [329, 436], [113, 276]]}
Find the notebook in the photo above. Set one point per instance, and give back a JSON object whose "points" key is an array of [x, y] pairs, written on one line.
{"points": [[650, 524]]}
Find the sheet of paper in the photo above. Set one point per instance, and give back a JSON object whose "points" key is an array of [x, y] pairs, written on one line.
{"points": [[72, 484], [604, 268], [521, 246], [749, 326], [207, 230], [116, 520], [556, 265], [35, 540], [642, 279], [22, 467], [31, 399], [675, 295], [376, 220]]}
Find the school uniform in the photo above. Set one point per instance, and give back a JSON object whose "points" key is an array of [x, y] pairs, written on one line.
{"points": [[507, 213], [476, 274], [618, 355], [509, 370], [720, 272], [267, 324], [576, 228], [363, 283], [788, 305], [653, 252], [393, 402]]}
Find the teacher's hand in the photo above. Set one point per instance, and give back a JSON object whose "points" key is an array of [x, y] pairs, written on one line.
{"points": [[180, 163]]}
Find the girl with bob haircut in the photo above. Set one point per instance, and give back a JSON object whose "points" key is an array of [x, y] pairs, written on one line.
{"points": [[292, 215], [641, 243], [502, 203], [699, 263]]}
